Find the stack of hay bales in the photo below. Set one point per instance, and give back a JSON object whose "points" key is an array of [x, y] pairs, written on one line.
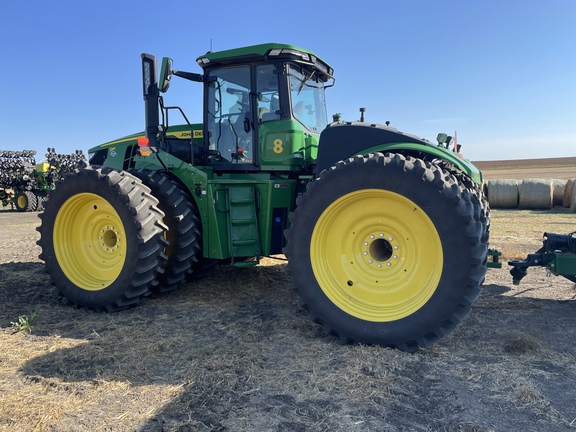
{"points": [[531, 193]]}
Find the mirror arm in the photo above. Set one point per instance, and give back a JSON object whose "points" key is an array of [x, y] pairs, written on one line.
{"points": [[189, 76]]}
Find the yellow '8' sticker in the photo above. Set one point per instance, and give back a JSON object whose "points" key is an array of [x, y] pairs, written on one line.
{"points": [[278, 146]]}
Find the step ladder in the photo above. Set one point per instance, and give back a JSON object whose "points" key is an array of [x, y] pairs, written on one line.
{"points": [[243, 226]]}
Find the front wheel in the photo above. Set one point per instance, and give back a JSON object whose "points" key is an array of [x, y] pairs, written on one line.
{"points": [[102, 239], [387, 250]]}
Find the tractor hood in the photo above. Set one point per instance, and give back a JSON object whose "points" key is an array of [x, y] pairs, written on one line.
{"points": [[340, 141]]}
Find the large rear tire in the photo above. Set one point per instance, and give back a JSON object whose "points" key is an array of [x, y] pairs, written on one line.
{"points": [[184, 233], [102, 239], [387, 250], [26, 201]]}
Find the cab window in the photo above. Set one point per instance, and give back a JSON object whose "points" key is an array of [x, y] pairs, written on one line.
{"points": [[267, 93], [229, 116]]}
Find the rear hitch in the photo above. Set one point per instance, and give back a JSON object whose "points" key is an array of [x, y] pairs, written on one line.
{"points": [[557, 254], [520, 268]]}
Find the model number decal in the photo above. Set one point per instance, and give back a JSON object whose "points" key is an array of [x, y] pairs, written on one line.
{"points": [[278, 146]]}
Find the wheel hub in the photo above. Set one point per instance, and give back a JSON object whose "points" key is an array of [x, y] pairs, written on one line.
{"points": [[109, 239], [380, 250]]}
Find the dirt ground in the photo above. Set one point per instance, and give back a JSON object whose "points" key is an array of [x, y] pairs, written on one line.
{"points": [[234, 352]]}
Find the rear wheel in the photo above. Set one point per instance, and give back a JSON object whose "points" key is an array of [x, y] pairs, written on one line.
{"points": [[483, 215], [184, 232], [386, 250], [26, 201], [102, 238]]}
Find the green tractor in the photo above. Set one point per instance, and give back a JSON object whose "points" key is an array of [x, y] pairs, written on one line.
{"points": [[386, 233]]}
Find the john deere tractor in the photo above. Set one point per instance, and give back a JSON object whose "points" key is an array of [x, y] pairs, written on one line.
{"points": [[386, 233]]}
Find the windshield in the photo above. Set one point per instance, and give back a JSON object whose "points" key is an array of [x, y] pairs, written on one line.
{"points": [[308, 101]]}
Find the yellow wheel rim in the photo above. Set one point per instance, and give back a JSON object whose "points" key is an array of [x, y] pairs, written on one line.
{"points": [[376, 255], [89, 241], [22, 201]]}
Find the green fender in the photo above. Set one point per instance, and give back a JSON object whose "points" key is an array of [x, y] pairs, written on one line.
{"points": [[463, 165]]}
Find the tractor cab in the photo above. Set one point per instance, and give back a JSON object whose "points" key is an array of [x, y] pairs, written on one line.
{"points": [[264, 107]]}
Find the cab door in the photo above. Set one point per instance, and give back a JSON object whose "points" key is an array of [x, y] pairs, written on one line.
{"points": [[230, 115]]}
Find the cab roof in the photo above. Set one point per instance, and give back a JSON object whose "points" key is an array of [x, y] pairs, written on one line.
{"points": [[264, 52]]}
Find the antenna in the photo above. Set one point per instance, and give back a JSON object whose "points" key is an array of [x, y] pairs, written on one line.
{"points": [[210, 44]]}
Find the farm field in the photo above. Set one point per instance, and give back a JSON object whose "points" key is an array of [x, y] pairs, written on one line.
{"points": [[558, 168], [234, 352]]}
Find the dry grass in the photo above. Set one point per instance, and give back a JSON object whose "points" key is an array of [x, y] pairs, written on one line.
{"points": [[519, 232], [217, 356]]}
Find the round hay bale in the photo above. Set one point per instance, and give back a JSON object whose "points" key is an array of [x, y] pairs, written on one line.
{"points": [[559, 188], [573, 197], [502, 193], [567, 199], [535, 194]]}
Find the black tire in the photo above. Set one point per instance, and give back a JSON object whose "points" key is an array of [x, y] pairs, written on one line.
{"points": [[184, 233], [386, 250], [483, 215], [41, 199], [102, 239], [26, 201]]}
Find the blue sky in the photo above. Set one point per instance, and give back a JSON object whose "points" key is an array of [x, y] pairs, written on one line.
{"points": [[502, 73]]}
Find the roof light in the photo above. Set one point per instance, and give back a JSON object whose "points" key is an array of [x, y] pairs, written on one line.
{"points": [[278, 51], [296, 53], [202, 61]]}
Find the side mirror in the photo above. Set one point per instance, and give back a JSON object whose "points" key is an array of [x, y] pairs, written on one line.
{"points": [[148, 75], [165, 74]]}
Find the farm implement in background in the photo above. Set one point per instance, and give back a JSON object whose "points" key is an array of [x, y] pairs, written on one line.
{"points": [[24, 184]]}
